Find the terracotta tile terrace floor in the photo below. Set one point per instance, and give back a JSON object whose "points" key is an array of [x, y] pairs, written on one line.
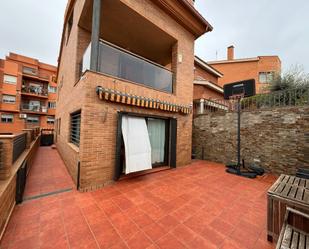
{"points": [[197, 206]]}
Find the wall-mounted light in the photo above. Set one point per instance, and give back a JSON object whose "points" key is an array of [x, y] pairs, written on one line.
{"points": [[180, 58]]}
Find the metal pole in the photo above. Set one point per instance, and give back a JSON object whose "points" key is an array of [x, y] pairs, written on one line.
{"points": [[95, 35]]}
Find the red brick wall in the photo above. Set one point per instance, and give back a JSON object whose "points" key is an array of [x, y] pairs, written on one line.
{"points": [[202, 73], [97, 145], [233, 72], [203, 92]]}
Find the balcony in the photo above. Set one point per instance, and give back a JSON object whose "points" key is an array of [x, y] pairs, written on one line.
{"points": [[125, 65], [37, 91], [26, 107], [137, 51], [34, 73]]}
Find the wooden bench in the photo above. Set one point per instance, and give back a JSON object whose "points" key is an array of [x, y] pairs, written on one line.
{"points": [[290, 235], [287, 191]]}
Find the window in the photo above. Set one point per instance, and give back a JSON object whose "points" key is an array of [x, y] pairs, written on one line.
{"points": [[52, 105], [266, 77], [7, 118], [33, 120], [75, 127], [52, 89], [50, 120], [9, 79], [30, 70], [85, 65], [8, 99]]}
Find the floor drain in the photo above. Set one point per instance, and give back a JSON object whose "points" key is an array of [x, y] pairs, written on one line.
{"points": [[29, 198]]}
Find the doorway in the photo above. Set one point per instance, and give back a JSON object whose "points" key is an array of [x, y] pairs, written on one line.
{"points": [[161, 133]]}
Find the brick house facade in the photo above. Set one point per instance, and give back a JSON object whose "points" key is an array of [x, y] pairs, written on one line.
{"points": [[27, 94], [206, 81], [260, 68], [140, 65]]}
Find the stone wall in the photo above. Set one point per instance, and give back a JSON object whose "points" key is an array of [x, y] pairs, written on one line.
{"points": [[276, 139]]}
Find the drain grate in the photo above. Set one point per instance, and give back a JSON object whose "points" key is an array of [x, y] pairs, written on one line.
{"points": [[29, 198]]}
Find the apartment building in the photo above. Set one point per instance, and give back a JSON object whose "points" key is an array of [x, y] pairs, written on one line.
{"points": [[125, 87], [261, 68], [27, 93]]}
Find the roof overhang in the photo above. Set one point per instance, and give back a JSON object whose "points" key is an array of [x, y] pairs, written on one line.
{"points": [[181, 10], [209, 84], [207, 67], [186, 15], [234, 61]]}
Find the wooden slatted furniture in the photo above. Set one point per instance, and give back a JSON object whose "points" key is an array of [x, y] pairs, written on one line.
{"points": [[291, 236], [288, 191]]}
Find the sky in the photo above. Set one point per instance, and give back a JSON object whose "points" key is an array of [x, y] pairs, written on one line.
{"points": [[255, 27]]}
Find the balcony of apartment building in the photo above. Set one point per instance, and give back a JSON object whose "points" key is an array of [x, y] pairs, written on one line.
{"points": [[34, 106], [130, 48], [34, 73], [35, 89]]}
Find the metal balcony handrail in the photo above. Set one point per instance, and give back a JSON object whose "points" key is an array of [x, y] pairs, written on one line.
{"points": [[286, 98], [19, 145], [34, 108], [34, 90]]}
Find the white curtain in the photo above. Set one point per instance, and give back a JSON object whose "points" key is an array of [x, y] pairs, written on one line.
{"points": [[137, 144], [156, 129]]}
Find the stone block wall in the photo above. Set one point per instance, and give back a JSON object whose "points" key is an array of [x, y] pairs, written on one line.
{"points": [[277, 139]]}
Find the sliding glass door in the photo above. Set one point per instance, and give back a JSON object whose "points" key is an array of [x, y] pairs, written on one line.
{"points": [[157, 136], [144, 143]]}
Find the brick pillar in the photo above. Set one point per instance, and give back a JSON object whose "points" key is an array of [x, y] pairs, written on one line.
{"points": [[29, 137], [6, 156]]}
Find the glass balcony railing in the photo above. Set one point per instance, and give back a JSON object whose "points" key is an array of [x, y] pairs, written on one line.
{"points": [[127, 66], [33, 108]]}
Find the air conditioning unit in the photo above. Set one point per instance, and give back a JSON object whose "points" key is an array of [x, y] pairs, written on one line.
{"points": [[22, 116]]}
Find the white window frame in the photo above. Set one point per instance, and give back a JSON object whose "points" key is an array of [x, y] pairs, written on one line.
{"points": [[52, 89], [8, 99], [51, 104], [31, 119], [50, 120], [10, 79], [7, 117], [269, 76]]}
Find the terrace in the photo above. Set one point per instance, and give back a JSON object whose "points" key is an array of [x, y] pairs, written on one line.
{"points": [[196, 206], [129, 51]]}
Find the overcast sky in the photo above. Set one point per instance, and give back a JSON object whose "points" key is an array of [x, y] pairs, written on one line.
{"points": [[254, 27]]}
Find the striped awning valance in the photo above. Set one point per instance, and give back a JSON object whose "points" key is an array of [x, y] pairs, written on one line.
{"points": [[140, 101]]}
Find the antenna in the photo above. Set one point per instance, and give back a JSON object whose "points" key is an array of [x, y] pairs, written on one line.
{"points": [[216, 55]]}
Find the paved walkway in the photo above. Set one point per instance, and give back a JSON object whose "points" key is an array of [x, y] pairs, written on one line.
{"points": [[47, 175], [198, 206]]}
